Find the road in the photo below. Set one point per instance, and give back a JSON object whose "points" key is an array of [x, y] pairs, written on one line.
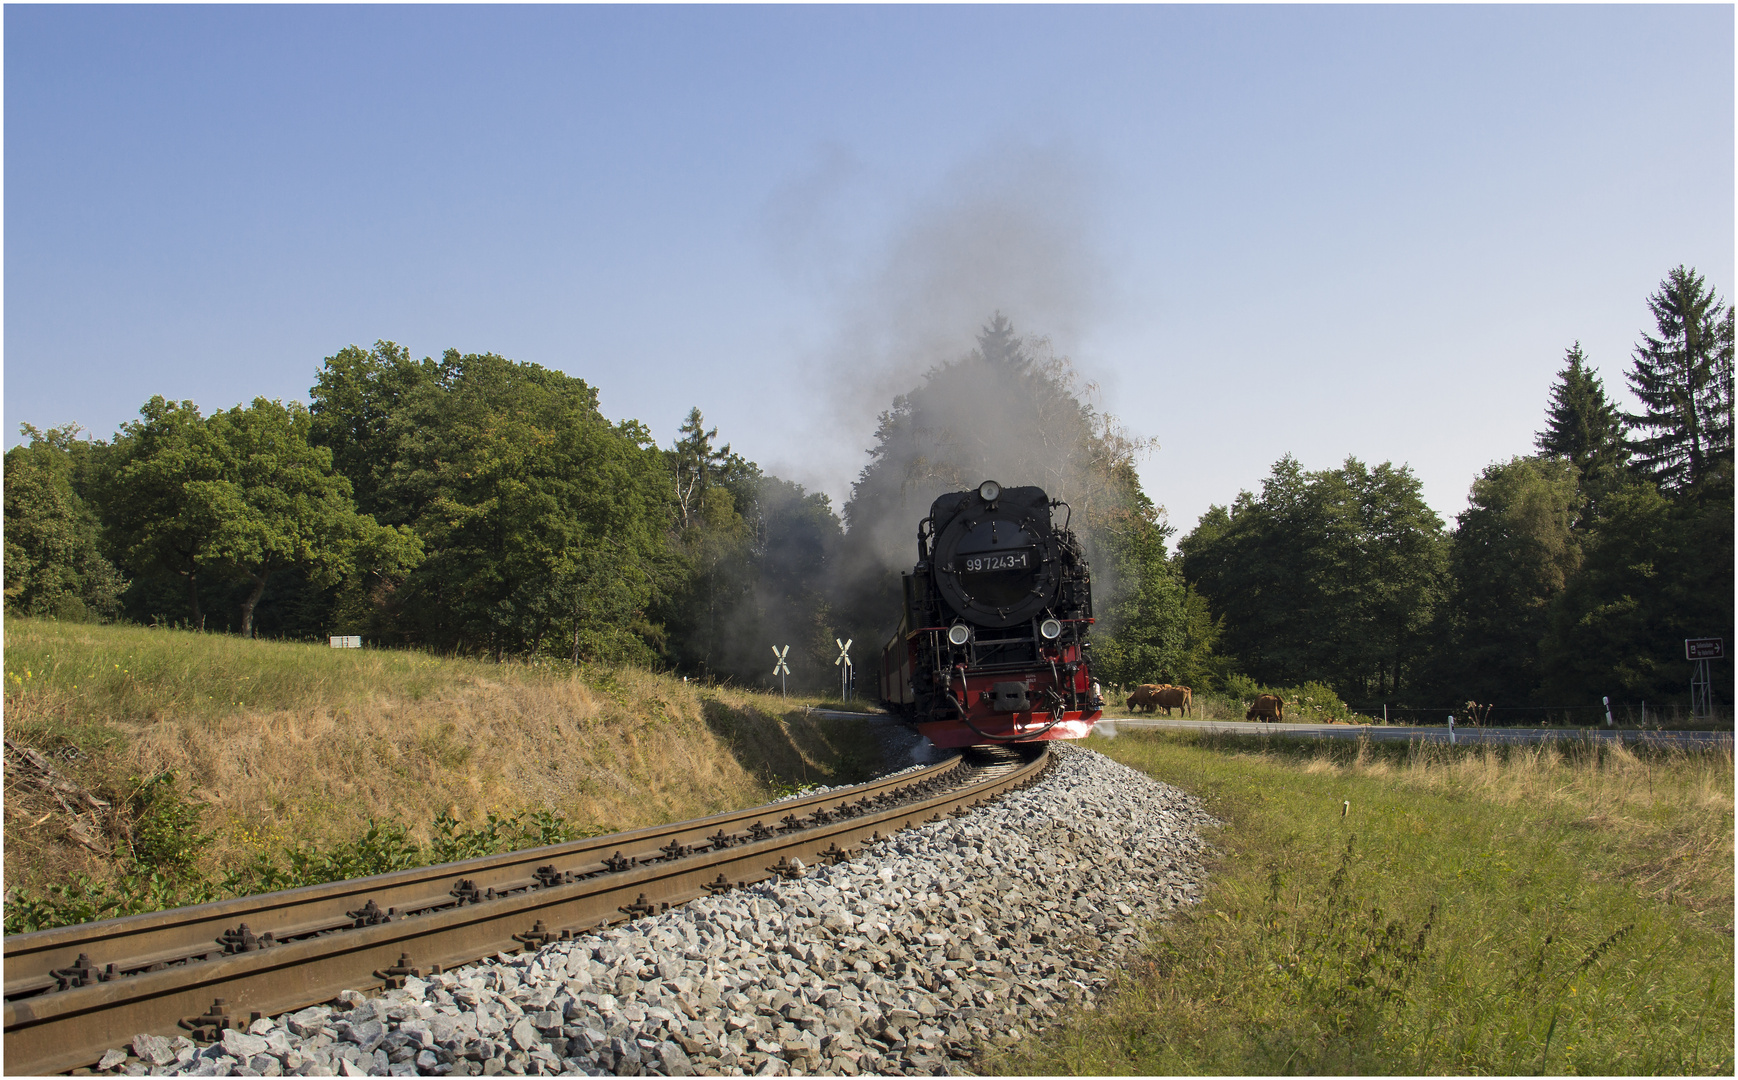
{"points": [[1438, 733]]}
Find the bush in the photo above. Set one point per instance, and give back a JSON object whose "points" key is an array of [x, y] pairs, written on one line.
{"points": [[1313, 702], [165, 833]]}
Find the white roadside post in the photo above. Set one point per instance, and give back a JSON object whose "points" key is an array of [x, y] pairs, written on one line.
{"points": [[843, 663], [1607, 710], [1451, 730], [779, 668]]}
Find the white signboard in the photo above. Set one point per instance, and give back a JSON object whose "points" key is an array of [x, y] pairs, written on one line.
{"points": [[352, 642]]}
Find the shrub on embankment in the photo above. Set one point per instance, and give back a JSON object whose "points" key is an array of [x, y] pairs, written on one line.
{"points": [[1384, 908], [265, 764]]}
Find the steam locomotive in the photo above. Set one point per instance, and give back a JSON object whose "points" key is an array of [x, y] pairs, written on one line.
{"points": [[992, 644]]}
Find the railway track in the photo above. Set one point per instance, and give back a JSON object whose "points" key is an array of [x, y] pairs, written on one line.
{"points": [[74, 992]]}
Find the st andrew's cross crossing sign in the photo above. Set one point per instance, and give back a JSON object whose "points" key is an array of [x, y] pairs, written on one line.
{"points": [[779, 668], [843, 663]]}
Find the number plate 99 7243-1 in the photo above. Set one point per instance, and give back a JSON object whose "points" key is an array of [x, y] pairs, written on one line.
{"points": [[1001, 560]]}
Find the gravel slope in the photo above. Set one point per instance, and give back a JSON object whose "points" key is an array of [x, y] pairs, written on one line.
{"points": [[936, 940]]}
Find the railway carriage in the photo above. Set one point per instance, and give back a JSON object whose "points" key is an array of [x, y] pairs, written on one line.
{"points": [[992, 645]]}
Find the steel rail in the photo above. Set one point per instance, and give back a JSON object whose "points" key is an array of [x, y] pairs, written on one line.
{"points": [[361, 934], [178, 935]]}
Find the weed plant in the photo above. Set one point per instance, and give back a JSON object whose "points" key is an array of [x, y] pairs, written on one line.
{"points": [[160, 877], [1423, 909], [345, 757]]}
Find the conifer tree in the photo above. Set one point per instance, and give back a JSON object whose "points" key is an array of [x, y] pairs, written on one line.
{"points": [[1013, 411], [1584, 426], [998, 344], [1684, 380], [697, 464]]}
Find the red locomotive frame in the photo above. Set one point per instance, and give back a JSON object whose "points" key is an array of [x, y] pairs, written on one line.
{"points": [[979, 722]]}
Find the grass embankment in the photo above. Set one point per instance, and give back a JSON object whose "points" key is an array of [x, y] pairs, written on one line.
{"points": [[1506, 910], [274, 747]]}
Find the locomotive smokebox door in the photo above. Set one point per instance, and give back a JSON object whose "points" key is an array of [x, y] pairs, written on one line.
{"points": [[995, 556], [1010, 697]]}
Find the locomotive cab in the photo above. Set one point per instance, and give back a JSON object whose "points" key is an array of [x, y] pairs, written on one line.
{"points": [[992, 645]]}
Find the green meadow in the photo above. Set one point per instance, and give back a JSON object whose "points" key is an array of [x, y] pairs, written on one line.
{"points": [[1422, 909]]}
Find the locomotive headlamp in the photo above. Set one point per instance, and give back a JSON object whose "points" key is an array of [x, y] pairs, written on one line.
{"points": [[1051, 629], [958, 633], [988, 490]]}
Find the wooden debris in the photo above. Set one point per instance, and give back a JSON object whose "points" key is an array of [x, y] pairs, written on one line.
{"points": [[74, 799]]}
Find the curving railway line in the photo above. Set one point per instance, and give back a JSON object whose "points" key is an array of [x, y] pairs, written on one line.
{"points": [[74, 992]]}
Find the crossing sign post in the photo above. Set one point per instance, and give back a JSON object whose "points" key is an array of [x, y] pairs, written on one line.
{"points": [[780, 669], [843, 663]]}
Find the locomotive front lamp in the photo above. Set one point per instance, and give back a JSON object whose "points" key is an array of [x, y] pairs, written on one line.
{"points": [[1051, 629], [988, 490], [958, 633]]}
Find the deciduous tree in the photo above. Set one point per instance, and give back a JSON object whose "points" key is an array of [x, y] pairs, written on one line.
{"points": [[280, 504], [151, 524], [1332, 576], [53, 564], [354, 401], [1513, 553], [524, 496], [239, 495]]}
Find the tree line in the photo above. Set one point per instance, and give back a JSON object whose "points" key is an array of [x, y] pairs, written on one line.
{"points": [[475, 504], [1574, 573]]}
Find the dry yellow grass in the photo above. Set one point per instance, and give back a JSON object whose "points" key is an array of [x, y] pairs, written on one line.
{"points": [[610, 748], [324, 772]]}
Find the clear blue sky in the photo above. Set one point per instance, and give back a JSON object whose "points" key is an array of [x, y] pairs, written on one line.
{"points": [[1315, 230]]}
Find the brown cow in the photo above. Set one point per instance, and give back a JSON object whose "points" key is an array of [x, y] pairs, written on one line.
{"points": [[1146, 696], [1174, 697], [1266, 707]]}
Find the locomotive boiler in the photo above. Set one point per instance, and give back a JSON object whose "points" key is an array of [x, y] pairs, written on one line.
{"points": [[992, 643]]}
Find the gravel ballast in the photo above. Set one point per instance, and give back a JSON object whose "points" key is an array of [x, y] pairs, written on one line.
{"points": [[938, 940]]}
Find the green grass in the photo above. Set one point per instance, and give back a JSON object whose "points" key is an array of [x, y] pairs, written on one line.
{"points": [[1482, 910], [85, 674]]}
